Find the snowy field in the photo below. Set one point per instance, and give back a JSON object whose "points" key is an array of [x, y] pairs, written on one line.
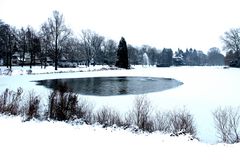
{"points": [[204, 90]]}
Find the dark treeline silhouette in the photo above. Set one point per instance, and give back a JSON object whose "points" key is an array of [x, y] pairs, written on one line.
{"points": [[54, 44]]}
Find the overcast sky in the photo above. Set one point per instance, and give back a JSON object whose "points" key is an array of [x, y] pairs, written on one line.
{"points": [[159, 23]]}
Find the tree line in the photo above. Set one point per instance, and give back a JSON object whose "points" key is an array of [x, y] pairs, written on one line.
{"points": [[55, 42]]}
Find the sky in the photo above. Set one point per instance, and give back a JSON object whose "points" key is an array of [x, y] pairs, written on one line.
{"points": [[172, 24]]}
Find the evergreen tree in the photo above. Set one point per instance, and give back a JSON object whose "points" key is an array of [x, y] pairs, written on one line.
{"points": [[122, 55]]}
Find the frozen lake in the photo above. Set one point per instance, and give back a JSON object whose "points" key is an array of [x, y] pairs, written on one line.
{"points": [[111, 86], [204, 89]]}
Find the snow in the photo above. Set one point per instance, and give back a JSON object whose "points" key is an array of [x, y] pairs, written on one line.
{"points": [[204, 90], [59, 140]]}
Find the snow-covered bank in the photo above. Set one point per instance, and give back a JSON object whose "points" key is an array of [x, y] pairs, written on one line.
{"points": [[204, 89], [59, 140]]}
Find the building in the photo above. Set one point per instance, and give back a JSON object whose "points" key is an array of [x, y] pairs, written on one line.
{"points": [[17, 59]]}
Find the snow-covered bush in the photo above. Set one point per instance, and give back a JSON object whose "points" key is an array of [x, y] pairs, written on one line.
{"points": [[84, 111], [227, 124], [32, 106], [140, 115], [162, 122], [62, 104], [175, 122], [182, 121], [108, 117], [10, 102]]}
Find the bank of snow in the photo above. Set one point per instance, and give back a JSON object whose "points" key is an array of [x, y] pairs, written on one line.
{"points": [[59, 140]]}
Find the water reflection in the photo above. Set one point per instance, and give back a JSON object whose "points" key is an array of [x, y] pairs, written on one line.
{"points": [[110, 86]]}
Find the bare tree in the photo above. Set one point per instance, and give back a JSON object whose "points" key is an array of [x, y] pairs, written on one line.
{"points": [[86, 45], [92, 45], [110, 52], [33, 45], [71, 49], [227, 124], [46, 45], [59, 33], [231, 40], [133, 54], [7, 43], [22, 44]]}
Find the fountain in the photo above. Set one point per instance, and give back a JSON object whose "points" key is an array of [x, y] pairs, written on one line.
{"points": [[145, 59]]}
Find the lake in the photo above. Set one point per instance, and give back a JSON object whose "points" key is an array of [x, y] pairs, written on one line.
{"points": [[110, 86]]}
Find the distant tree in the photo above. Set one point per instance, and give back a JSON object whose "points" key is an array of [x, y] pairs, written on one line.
{"points": [[165, 58], [152, 55], [22, 44], [71, 49], [215, 57], [58, 32], [46, 44], [231, 58], [110, 52], [231, 41], [178, 58], [4, 47], [36, 49], [122, 55], [33, 44], [86, 45], [194, 59], [92, 44], [97, 48], [190, 57], [202, 58], [134, 55], [8, 43]]}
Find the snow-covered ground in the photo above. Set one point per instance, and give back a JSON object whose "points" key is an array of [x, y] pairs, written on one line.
{"points": [[61, 141], [204, 90]]}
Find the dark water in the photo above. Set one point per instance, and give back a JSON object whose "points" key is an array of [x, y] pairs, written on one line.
{"points": [[111, 86]]}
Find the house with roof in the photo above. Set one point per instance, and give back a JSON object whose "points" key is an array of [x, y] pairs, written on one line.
{"points": [[17, 59]]}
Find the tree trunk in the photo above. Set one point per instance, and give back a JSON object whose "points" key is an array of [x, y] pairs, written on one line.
{"points": [[56, 52]]}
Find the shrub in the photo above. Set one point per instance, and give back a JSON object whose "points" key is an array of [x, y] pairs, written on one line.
{"points": [[182, 122], [31, 109], [162, 122], [175, 122], [140, 115], [84, 111], [108, 117], [10, 102], [62, 104], [227, 124]]}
